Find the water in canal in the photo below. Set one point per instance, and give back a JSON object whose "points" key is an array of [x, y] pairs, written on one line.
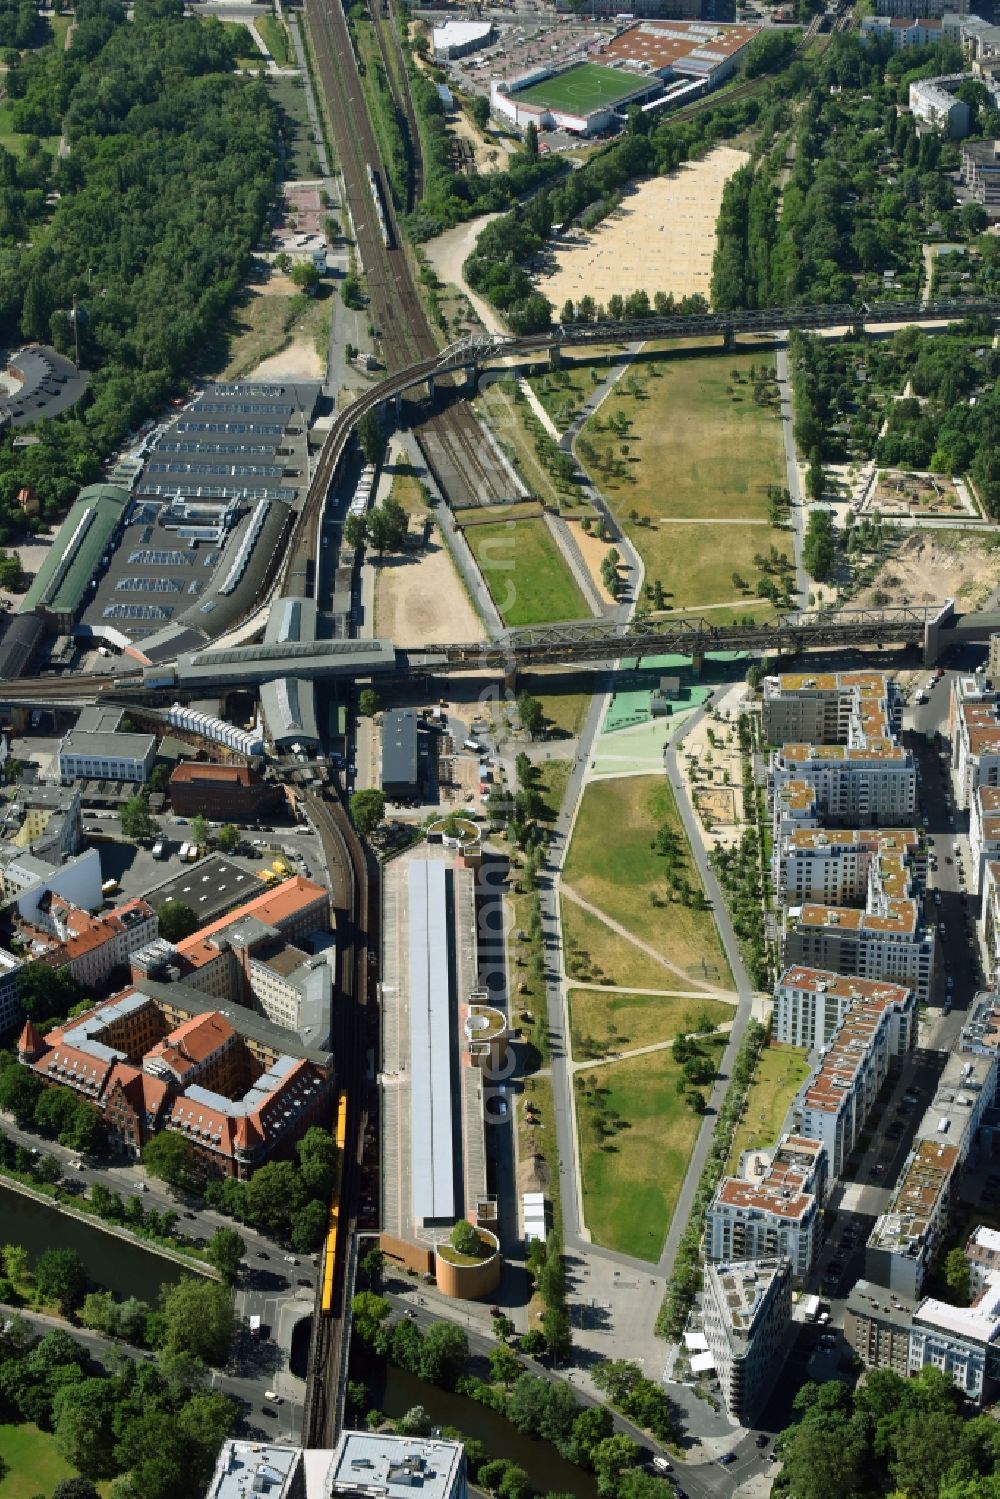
{"points": [[120, 1265], [394, 1391]]}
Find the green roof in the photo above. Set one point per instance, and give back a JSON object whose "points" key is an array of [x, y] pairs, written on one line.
{"points": [[62, 579]]}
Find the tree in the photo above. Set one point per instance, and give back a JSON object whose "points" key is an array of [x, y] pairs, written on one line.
{"points": [[136, 821], [371, 438], [306, 276], [225, 1253], [610, 1458], [318, 1158], [83, 1430], [387, 527], [47, 993], [74, 1488], [200, 831], [368, 702], [274, 1194], [172, 1158], [479, 108], [532, 715], [444, 1353], [355, 530], [956, 1275], [505, 1366], [11, 576], [368, 1312], [367, 810], [60, 1276], [197, 1319], [309, 1226], [20, 1091], [227, 838], [591, 1427], [531, 140], [465, 1239], [176, 920]]}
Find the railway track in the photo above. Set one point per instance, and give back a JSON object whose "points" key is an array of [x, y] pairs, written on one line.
{"points": [[355, 890], [385, 24]]}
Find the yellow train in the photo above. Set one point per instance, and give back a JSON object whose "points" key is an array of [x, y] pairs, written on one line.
{"points": [[330, 1250]]}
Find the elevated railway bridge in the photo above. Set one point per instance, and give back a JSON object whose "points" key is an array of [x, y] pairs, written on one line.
{"points": [[934, 628]]}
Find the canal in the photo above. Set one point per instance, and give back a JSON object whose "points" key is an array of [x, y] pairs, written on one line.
{"points": [[394, 1392], [121, 1265]]}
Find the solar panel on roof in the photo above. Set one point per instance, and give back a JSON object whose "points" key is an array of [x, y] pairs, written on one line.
{"points": [[160, 612], [218, 491], [237, 429], [214, 465], [157, 558], [432, 1167], [190, 445], [149, 585], [245, 408]]}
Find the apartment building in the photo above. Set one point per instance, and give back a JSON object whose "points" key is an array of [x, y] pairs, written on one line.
{"points": [[902, 31], [253, 957], [64, 935], [877, 1327], [984, 833], [907, 1235], [376, 1464], [44, 821], [811, 1003], [981, 173], [830, 707], [888, 944], [10, 991], [974, 730], [746, 1309], [982, 1254], [834, 1103], [772, 1209], [989, 922], [935, 102], [830, 865], [228, 793], [895, 1331]]}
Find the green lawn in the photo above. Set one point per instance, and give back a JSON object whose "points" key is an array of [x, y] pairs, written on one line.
{"points": [[59, 25], [17, 144], [780, 1073], [34, 1465], [612, 864], [516, 426], [718, 452], [632, 1176], [695, 564], [594, 953], [275, 37], [563, 391], [602, 1020], [525, 572], [290, 96]]}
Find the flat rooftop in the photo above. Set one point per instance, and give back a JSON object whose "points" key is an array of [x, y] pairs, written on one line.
{"points": [[656, 46], [210, 887], [245, 1470], [432, 1004], [841, 986], [395, 1467]]}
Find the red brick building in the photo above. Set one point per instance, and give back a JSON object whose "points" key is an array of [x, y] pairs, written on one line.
{"points": [[225, 793]]}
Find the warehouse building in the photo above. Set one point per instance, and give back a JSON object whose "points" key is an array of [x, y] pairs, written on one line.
{"points": [[20, 644], [95, 749], [457, 39], [81, 550], [681, 49], [400, 755]]}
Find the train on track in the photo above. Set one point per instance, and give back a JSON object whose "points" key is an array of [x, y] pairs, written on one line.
{"points": [[331, 1245], [377, 199]]}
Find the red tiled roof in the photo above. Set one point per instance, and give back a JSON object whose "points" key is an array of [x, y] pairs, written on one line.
{"points": [[200, 770]]}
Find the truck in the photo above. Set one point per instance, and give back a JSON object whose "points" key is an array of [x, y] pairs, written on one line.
{"points": [[255, 1327], [110, 887], [810, 1308], [159, 849]]}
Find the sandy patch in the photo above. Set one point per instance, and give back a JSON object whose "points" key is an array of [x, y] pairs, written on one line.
{"points": [[662, 238], [449, 252], [709, 761], [491, 154], [593, 551], [300, 361], [933, 565], [420, 601]]}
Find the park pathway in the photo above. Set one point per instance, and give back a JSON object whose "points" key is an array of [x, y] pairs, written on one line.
{"points": [[706, 991]]}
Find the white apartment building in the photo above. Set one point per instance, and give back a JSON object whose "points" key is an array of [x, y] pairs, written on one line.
{"points": [[772, 1209], [10, 997], [962, 1341], [934, 102], [982, 1253], [984, 832], [91, 947], [989, 922], [873, 786], [974, 730], [831, 865], [902, 31], [747, 1308], [810, 1004], [835, 1102]]}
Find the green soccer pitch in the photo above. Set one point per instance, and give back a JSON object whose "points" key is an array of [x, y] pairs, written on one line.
{"points": [[581, 90]]}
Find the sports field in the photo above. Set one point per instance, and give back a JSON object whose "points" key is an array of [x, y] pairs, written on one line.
{"points": [[582, 89]]}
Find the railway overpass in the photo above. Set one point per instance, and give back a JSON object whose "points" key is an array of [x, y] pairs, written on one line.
{"points": [[932, 627]]}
